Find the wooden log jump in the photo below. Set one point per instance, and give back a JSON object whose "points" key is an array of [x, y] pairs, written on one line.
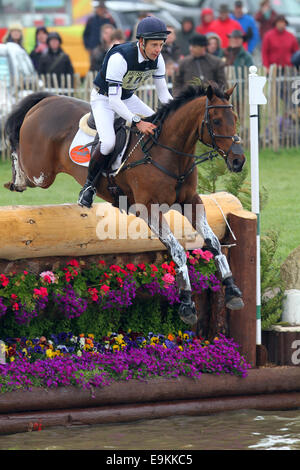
{"points": [[68, 230]]}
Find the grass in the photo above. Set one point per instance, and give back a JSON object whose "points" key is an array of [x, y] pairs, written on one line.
{"points": [[279, 174]]}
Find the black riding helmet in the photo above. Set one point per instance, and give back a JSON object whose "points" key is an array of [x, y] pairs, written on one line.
{"points": [[152, 28]]}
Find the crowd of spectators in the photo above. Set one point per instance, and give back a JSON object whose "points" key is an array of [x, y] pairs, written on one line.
{"points": [[199, 49]]}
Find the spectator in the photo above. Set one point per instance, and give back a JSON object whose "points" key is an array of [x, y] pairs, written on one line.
{"points": [[55, 60], [214, 45], [235, 54], [170, 50], [198, 64], [248, 24], [224, 25], [41, 47], [296, 59], [265, 17], [279, 45], [14, 34], [184, 35], [206, 19], [97, 54], [92, 30], [118, 37]]}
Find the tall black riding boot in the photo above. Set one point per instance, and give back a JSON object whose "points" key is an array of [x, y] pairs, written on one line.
{"points": [[88, 191]]}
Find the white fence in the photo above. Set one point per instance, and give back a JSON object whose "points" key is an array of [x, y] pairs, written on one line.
{"points": [[279, 120]]}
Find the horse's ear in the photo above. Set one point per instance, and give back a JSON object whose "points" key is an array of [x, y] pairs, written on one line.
{"points": [[229, 92], [210, 92]]}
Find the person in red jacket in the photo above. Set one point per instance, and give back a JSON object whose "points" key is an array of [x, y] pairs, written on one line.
{"points": [[224, 25], [279, 45], [206, 19]]}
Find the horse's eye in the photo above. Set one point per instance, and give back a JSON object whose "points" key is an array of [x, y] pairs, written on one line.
{"points": [[216, 122]]}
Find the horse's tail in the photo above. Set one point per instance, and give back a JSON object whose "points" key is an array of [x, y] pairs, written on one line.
{"points": [[16, 117]]}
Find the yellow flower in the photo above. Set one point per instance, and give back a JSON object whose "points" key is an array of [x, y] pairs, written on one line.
{"points": [[116, 347], [90, 335], [155, 340], [180, 334], [185, 336], [180, 347], [49, 353], [206, 342], [12, 358]]}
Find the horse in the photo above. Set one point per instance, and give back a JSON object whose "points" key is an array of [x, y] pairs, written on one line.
{"points": [[161, 170]]}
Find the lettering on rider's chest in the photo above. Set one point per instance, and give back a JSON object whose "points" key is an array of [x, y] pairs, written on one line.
{"points": [[134, 79]]}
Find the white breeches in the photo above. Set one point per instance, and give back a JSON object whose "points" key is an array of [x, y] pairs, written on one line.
{"points": [[104, 117]]}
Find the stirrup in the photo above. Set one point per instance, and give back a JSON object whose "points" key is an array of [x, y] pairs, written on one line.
{"points": [[87, 195]]}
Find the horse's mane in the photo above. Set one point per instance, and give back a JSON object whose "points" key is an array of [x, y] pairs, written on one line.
{"points": [[189, 93]]}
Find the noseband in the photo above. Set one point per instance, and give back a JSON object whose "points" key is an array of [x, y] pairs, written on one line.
{"points": [[235, 147]]}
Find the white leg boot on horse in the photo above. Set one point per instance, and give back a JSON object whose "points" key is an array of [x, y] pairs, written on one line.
{"points": [[159, 226], [197, 217]]}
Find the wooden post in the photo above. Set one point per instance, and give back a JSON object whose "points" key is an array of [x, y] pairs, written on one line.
{"points": [[242, 323]]}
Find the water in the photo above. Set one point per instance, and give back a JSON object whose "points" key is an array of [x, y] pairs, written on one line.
{"points": [[239, 430]]}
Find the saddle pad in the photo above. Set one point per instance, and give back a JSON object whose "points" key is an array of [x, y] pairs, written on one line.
{"points": [[80, 150]]}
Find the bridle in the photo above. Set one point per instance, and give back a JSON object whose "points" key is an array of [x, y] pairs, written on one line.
{"points": [[235, 147]]}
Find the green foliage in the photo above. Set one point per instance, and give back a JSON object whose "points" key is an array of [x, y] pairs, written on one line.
{"points": [[272, 286]]}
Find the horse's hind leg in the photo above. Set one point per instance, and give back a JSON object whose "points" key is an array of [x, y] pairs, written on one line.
{"points": [[19, 181], [197, 217], [159, 226]]}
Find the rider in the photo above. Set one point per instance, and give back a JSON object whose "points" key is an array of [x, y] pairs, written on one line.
{"points": [[124, 69]]}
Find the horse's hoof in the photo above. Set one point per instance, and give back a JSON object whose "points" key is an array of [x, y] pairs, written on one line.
{"points": [[187, 313], [235, 303]]}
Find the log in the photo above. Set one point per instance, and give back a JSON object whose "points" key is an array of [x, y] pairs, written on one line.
{"points": [[69, 230]]}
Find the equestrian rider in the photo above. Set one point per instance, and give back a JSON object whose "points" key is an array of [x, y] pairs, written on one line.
{"points": [[124, 69]]}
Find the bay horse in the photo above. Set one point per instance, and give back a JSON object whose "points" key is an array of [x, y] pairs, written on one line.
{"points": [[163, 171]]}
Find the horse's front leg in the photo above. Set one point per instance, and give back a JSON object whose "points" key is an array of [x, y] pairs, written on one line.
{"points": [[160, 228], [197, 217]]}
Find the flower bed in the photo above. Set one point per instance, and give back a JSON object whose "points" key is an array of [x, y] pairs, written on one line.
{"points": [[81, 361], [101, 291]]}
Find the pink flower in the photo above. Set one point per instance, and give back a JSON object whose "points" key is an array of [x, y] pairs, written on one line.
{"points": [[48, 276], [168, 279], [192, 260], [142, 266]]}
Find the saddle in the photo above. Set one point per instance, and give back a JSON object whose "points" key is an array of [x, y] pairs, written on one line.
{"points": [[122, 137]]}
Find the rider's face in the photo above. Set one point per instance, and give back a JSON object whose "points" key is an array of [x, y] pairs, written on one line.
{"points": [[153, 48]]}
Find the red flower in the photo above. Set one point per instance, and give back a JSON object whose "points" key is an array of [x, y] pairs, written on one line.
{"points": [[42, 292], [102, 262], [94, 294], [131, 267], [153, 267], [115, 267], [14, 296], [15, 306], [142, 266], [4, 280], [25, 272], [105, 288], [73, 262]]}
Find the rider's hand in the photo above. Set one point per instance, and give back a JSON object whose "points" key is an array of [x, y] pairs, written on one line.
{"points": [[146, 127]]}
